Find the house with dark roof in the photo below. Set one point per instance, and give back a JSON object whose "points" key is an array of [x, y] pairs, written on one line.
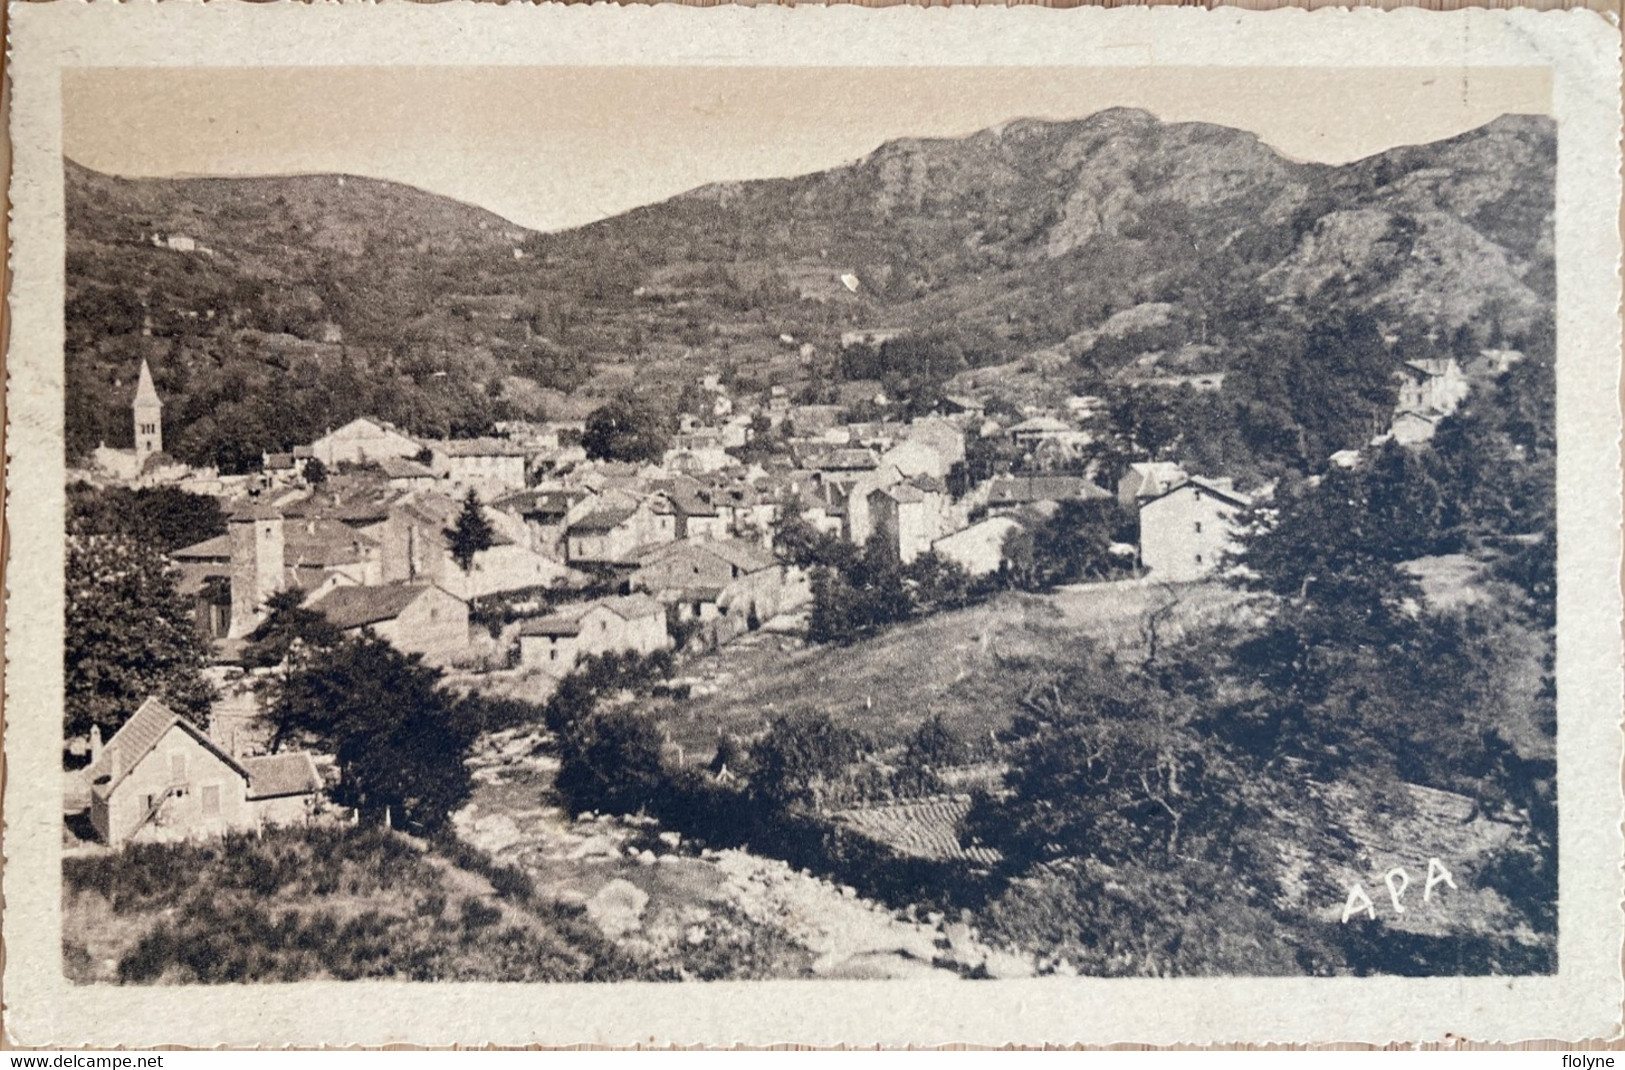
{"points": [[632, 623], [414, 618], [161, 778], [712, 579], [546, 515], [406, 474], [618, 524], [490, 466], [1006, 494]]}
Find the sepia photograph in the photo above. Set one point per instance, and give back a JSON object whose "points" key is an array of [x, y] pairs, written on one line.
{"points": [[692, 524]]}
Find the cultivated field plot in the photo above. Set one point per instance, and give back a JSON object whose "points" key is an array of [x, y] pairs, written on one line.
{"points": [[926, 828]]}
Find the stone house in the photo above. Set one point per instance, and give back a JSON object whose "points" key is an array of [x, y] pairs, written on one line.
{"points": [[490, 466], [908, 518], [546, 515], [414, 618], [362, 441], [630, 623], [980, 547], [708, 580], [617, 525]]}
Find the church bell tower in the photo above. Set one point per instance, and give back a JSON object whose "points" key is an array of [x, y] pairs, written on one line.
{"points": [[148, 411]]}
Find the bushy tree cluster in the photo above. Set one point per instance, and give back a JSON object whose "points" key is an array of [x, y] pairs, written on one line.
{"points": [[626, 428], [165, 518], [128, 636], [399, 738]]}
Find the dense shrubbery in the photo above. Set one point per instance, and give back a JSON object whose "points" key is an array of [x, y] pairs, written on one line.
{"points": [[274, 908]]}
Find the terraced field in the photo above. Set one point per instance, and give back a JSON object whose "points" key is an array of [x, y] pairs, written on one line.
{"points": [[923, 828]]}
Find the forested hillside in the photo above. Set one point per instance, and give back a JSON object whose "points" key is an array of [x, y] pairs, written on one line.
{"points": [[273, 307]]}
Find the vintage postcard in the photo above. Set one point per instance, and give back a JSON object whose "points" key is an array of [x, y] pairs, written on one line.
{"points": [[562, 525]]}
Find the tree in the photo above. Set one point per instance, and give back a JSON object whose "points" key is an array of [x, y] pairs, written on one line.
{"points": [[800, 758], [289, 631], [625, 429], [1103, 764], [400, 741], [610, 761], [315, 472], [1071, 544], [128, 636], [472, 534]]}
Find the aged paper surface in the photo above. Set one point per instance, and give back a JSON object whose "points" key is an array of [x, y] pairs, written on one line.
{"points": [[1440, 269]]}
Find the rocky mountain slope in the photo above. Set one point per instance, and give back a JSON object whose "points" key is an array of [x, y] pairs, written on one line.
{"points": [[318, 297]]}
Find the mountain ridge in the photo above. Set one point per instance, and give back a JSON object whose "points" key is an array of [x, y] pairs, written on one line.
{"points": [[335, 292]]}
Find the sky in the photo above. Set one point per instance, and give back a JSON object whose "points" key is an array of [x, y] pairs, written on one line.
{"points": [[554, 147]]}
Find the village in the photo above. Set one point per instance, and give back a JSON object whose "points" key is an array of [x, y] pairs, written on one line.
{"points": [[577, 556]]}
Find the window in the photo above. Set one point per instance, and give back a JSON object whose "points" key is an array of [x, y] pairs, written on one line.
{"points": [[1198, 527], [177, 768], [211, 800], [553, 654], [603, 625], [1198, 559]]}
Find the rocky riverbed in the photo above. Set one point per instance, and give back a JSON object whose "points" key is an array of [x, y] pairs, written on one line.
{"points": [[726, 913]]}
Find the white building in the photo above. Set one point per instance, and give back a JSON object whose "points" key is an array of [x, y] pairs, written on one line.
{"points": [[1185, 533]]}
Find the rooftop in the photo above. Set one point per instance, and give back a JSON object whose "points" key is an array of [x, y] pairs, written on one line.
{"points": [[357, 607]]}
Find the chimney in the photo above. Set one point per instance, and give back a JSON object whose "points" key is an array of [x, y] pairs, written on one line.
{"points": [[95, 743]]}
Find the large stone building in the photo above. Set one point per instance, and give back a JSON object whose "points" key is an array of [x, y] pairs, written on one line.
{"points": [[363, 441], [415, 618]]}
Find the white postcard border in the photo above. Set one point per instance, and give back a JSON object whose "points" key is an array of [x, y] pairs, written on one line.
{"points": [[1582, 1000]]}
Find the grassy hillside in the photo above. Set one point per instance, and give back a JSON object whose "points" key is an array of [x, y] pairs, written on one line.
{"points": [[972, 666]]}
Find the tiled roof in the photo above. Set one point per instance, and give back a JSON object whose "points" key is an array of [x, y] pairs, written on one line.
{"points": [[930, 484], [273, 775], [554, 625], [555, 503], [604, 518], [743, 555], [399, 468], [632, 606], [901, 492], [1021, 490], [208, 550], [321, 542]]}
